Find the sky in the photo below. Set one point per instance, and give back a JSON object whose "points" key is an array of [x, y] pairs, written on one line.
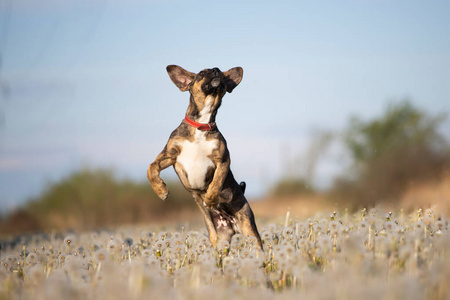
{"points": [[83, 83]]}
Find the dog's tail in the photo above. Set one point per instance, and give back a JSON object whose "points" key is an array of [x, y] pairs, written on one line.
{"points": [[243, 185]]}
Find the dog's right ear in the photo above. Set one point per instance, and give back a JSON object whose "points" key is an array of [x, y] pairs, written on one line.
{"points": [[180, 77]]}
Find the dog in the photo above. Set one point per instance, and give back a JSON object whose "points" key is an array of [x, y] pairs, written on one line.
{"points": [[199, 154]]}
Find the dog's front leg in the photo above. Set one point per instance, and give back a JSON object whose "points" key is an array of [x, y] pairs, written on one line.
{"points": [[162, 161], [212, 194]]}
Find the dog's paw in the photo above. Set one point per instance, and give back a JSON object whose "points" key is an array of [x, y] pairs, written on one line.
{"points": [[210, 205], [163, 196], [211, 199], [162, 192]]}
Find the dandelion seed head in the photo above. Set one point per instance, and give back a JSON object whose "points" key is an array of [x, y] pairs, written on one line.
{"points": [[318, 228], [101, 255], [32, 257], [334, 226], [265, 235], [419, 225], [223, 245], [69, 240], [390, 226], [203, 240], [113, 246], [159, 245], [440, 225], [161, 235]]}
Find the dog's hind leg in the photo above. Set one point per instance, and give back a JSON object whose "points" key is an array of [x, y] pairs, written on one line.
{"points": [[207, 218], [247, 224], [223, 225]]}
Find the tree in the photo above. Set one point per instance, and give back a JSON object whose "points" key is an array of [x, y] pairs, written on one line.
{"points": [[401, 147]]}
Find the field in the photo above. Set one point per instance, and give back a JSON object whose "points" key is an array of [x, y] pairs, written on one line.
{"points": [[331, 255]]}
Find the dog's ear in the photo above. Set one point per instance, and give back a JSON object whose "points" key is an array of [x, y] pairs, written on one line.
{"points": [[234, 77], [180, 77]]}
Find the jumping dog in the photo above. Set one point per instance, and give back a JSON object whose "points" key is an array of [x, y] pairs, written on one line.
{"points": [[199, 154]]}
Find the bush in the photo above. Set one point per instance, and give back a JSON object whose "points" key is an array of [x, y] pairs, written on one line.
{"points": [[91, 198]]}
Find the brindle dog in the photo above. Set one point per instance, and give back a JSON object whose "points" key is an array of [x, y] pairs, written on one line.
{"points": [[200, 156]]}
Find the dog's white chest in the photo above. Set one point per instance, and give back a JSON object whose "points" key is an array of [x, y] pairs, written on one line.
{"points": [[194, 159]]}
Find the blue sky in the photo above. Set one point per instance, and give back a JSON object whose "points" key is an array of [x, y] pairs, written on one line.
{"points": [[87, 81]]}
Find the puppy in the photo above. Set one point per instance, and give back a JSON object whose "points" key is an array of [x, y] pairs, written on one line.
{"points": [[199, 154]]}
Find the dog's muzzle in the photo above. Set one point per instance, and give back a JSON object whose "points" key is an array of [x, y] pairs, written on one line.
{"points": [[215, 82], [215, 85]]}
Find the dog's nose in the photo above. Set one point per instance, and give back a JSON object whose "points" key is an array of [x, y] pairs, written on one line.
{"points": [[216, 72]]}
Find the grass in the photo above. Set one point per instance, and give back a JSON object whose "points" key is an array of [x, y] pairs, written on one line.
{"points": [[367, 255]]}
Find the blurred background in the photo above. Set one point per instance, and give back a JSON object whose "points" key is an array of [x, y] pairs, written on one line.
{"points": [[343, 104]]}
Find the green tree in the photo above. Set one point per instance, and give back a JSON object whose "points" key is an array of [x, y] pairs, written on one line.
{"points": [[400, 148]]}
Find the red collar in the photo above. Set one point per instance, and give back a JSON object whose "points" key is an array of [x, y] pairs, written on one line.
{"points": [[200, 126]]}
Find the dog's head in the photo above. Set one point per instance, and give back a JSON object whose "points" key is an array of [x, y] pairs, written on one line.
{"points": [[208, 82]]}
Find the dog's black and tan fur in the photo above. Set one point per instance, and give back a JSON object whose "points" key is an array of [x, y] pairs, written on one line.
{"points": [[201, 158]]}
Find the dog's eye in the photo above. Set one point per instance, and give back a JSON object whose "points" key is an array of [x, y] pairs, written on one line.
{"points": [[202, 73]]}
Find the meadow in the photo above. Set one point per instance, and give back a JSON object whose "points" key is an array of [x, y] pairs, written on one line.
{"points": [[370, 254]]}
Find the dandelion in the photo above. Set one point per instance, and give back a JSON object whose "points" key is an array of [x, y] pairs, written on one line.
{"points": [[334, 226], [32, 258], [69, 240], [318, 228], [162, 236], [61, 259], [113, 246], [101, 255], [146, 253], [290, 250], [176, 235], [251, 241], [203, 240], [48, 255], [238, 237], [390, 226], [208, 252], [418, 226], [223, 246], [265, 235], [439, 225], [235, 244], [302, 244]]}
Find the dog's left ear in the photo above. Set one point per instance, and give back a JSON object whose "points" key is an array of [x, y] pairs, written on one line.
{"points": [[233, 77]]}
